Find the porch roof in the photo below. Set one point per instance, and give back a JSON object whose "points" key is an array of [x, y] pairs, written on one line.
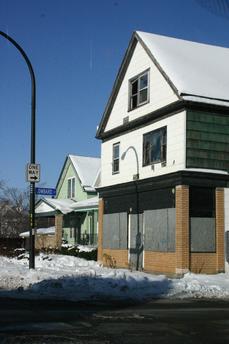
{"points": [[86, 205], [39, 231], [49, 206]]}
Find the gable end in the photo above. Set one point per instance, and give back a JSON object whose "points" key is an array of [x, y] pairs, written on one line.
{"points": [[120, 76]]}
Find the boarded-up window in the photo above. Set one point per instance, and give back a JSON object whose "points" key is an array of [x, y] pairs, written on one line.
{"points": [[202, 234], [115, 231], [202, 219], [160, 227]]}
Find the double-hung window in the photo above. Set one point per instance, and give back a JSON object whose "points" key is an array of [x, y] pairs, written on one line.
{"points": [[71, 187], [139, 90], [154, 146], [116, 158]]}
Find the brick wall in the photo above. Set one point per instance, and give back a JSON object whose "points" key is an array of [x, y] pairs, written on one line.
{"points": [[51, 241], [182, 229], [45, 242], [160, 262], [59, 228], [203, 263], [119, 257], [220, 229]]}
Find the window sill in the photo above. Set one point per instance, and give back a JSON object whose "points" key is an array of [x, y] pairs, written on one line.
{"points": [[113, 173], [137, 107], [163, 163]]}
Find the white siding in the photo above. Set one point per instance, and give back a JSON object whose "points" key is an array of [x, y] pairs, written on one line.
{"points": [[226, 214], [161, 94], [175, 152]]}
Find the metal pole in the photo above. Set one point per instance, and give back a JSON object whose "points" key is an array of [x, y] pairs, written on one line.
{"points": [[136, 178], [33, 147]]}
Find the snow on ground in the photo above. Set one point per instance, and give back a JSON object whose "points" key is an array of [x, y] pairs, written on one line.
{"points": [[71, 278]]}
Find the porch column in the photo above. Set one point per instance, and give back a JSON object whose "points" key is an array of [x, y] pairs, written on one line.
{"points": [[58, 230], [219, 199], [100, 229], [182, 229]]}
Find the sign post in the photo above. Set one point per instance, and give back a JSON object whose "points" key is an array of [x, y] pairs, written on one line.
{"points": [[32, 176]]}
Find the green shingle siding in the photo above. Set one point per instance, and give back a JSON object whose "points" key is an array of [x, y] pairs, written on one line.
{"points": [[207, 141]]}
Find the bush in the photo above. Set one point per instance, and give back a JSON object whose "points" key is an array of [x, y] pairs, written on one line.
{"points": [[73, 251], [8, 246]]}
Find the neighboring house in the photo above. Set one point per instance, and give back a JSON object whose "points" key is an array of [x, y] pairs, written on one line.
{"points": [[75, 207], [165, 158]]}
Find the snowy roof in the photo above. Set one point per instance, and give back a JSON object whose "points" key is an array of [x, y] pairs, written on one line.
{"points": [[196, 72], [194, 68], [63, 205], [87, 169], [39, 231], [90, 203]]}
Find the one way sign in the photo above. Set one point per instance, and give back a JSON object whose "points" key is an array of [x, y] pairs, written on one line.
{"points": [[33, 173]]}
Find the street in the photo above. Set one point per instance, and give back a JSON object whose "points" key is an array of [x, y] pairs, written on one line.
{"points": [[160, 321]]}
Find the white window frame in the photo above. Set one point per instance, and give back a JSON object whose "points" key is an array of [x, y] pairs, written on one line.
{"points": [[114, 159], [72, 191], [131, 81]]}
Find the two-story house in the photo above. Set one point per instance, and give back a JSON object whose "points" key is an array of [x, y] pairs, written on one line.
{"points": [[165, 157], [75, 207]]}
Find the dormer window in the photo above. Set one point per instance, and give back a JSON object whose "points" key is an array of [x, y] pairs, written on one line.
{"points": [[139, 90]]}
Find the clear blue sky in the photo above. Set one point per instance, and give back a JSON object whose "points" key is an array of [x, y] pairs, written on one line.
{"points": [[76, 48]]}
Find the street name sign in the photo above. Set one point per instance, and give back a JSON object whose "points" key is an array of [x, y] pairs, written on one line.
{"points": [[45, 191], [33, 173]]}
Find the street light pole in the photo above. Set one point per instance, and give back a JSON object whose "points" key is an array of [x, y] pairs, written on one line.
{"points": [[136, 178], [33, 146]]}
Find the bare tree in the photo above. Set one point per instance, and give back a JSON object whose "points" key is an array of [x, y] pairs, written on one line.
{"points": [[14, 205]]}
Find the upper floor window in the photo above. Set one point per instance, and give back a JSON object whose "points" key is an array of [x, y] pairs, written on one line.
{"points": [[139, 90], [154, 146], [116, 158], [71, 187]]}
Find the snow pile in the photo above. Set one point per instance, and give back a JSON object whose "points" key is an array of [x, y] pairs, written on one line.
{"points": [[80, 248], [198, 286], [86, 248], [71, 278]]}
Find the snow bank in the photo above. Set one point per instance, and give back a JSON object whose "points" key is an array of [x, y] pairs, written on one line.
{"points": [[71, 278]]}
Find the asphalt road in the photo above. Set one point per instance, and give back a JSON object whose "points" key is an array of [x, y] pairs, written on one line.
{"points": [[160, 321]]}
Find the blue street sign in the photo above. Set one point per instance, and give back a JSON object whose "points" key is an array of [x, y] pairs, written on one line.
{"points": [[45, 191]]}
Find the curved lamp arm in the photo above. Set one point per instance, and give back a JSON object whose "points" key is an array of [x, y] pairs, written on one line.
{"points": [[136, 156], [33, 92], [33, 144]]}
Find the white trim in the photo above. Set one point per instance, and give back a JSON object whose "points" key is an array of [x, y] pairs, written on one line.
{"points": [[72, 195], [129, 228], [143, 240]]}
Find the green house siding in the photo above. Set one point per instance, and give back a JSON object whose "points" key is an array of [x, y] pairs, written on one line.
{"points": [[79, 224], [80, 194], [76, 225], [207, 141]]}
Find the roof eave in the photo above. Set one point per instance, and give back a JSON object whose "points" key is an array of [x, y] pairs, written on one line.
{"points": [[117, 84]]}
